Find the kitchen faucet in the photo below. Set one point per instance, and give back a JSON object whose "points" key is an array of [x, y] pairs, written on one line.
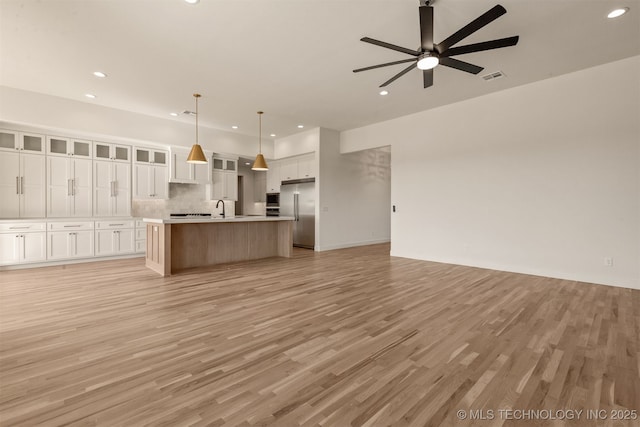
{"points": [[217, 203]]}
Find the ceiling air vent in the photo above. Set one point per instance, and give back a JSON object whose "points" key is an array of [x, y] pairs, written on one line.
{"points": [[493, 76]]}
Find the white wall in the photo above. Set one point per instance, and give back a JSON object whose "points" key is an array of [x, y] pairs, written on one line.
{"points": [[299, 143], [81, 119], [354, 195], [541, 179]]}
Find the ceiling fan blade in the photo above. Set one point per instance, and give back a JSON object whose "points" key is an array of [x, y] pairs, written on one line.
{"points": [[426, 28], [427, 77], [390, 46], [484, 19], [397, 76], [384, 65], [477, 47], [460, 65]]}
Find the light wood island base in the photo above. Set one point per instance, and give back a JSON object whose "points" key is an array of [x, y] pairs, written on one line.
{"points": [[172, 247]]}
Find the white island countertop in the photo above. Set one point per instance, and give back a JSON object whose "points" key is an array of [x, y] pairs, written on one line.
{"points": [[198, 220]]}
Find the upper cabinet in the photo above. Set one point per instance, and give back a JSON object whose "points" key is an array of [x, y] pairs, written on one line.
{"points": [[113, 152], [224, 178], [21, 141], [22, 175], [298, 167], [150, 174], [187, 173], [151, 156], [273, 177], [59, 146]]}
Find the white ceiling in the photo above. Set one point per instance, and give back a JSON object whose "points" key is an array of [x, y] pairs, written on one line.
{"points": [[291, 58]]}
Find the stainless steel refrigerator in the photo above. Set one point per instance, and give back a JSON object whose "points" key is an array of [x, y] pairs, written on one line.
{"points": [[298, 200]]}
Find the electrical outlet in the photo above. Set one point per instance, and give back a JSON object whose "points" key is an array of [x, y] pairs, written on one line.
{"points": [[608, 262]]}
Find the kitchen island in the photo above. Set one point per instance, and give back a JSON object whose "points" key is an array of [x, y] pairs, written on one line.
{"points": [[175, 244]]}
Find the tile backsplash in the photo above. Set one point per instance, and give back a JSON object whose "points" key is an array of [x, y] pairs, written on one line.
{"points": [[183, 198]]}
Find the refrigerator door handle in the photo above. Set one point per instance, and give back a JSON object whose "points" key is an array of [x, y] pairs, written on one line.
{"points": [[296, 213]]}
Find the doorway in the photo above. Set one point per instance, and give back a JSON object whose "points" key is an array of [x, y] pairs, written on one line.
{"points": [[240, 202]]}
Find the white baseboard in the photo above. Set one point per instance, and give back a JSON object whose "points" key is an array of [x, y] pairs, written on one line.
{"points": [[350, 245], [69, 261]]}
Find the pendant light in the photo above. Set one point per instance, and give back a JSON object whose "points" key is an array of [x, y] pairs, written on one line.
{"points": [[196, 155], [260, 164]]}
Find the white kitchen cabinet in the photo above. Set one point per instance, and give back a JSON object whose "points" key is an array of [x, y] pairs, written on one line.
{"points": [[225, 186], [187, 173], [113, 152], [288, 169], [112, 188], [150, 174], [141, 236], [150, 156], [114, 237], [68, 240], [306, 166], [60, 146], [273, 177], [21, 141], [69, 184], [22, 243], [224, 178], [22, 185], [150, 182]]}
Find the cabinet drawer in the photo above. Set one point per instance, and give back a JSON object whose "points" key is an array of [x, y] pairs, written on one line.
{"points": [[105, 225], [23, 226], [75, 225]]}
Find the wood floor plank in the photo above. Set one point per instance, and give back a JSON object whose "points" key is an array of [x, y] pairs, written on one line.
{"points": [[351, 337]]}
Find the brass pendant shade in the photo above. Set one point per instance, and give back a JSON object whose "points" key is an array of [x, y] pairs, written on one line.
{"points": [[260, 163], [196, 155]]}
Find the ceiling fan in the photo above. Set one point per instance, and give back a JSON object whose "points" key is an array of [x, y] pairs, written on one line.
{"points": [[430, 54]]}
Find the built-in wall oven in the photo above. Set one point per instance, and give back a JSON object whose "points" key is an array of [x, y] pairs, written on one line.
{"points": [[273, 204], [273, 200]]}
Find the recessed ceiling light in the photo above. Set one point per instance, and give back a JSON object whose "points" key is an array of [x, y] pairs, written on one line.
{"points": [[234, 127], [90, 95], [192, 1], [99, 74], [173, 114], [247, 163], [617, 12], [300, 126], [273, 134], [384, 92]]}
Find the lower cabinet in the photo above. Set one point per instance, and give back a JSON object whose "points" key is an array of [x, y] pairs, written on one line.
{"points": [[22, 243], [141, 236], [68, 240], [114, 237]]}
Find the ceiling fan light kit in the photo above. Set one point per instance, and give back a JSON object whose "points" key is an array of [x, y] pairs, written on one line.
{"points": [[431, 54]]}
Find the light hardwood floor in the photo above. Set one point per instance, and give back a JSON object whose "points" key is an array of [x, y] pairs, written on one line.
{"points": [[340, 338]]}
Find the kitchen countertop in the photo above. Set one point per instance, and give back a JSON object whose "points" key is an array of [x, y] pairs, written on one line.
{"points": [[198, 220]]}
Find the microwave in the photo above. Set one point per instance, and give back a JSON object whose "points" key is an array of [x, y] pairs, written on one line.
{"points": [[273, 200]]}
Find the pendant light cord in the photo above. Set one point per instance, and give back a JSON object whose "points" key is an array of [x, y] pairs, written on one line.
{"points": [[196, 96], [260, 113]]}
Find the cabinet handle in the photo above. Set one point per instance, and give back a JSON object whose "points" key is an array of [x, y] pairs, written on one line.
{"points": [[71, 226], [17, 185], [19, 228], [114, 225]]}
